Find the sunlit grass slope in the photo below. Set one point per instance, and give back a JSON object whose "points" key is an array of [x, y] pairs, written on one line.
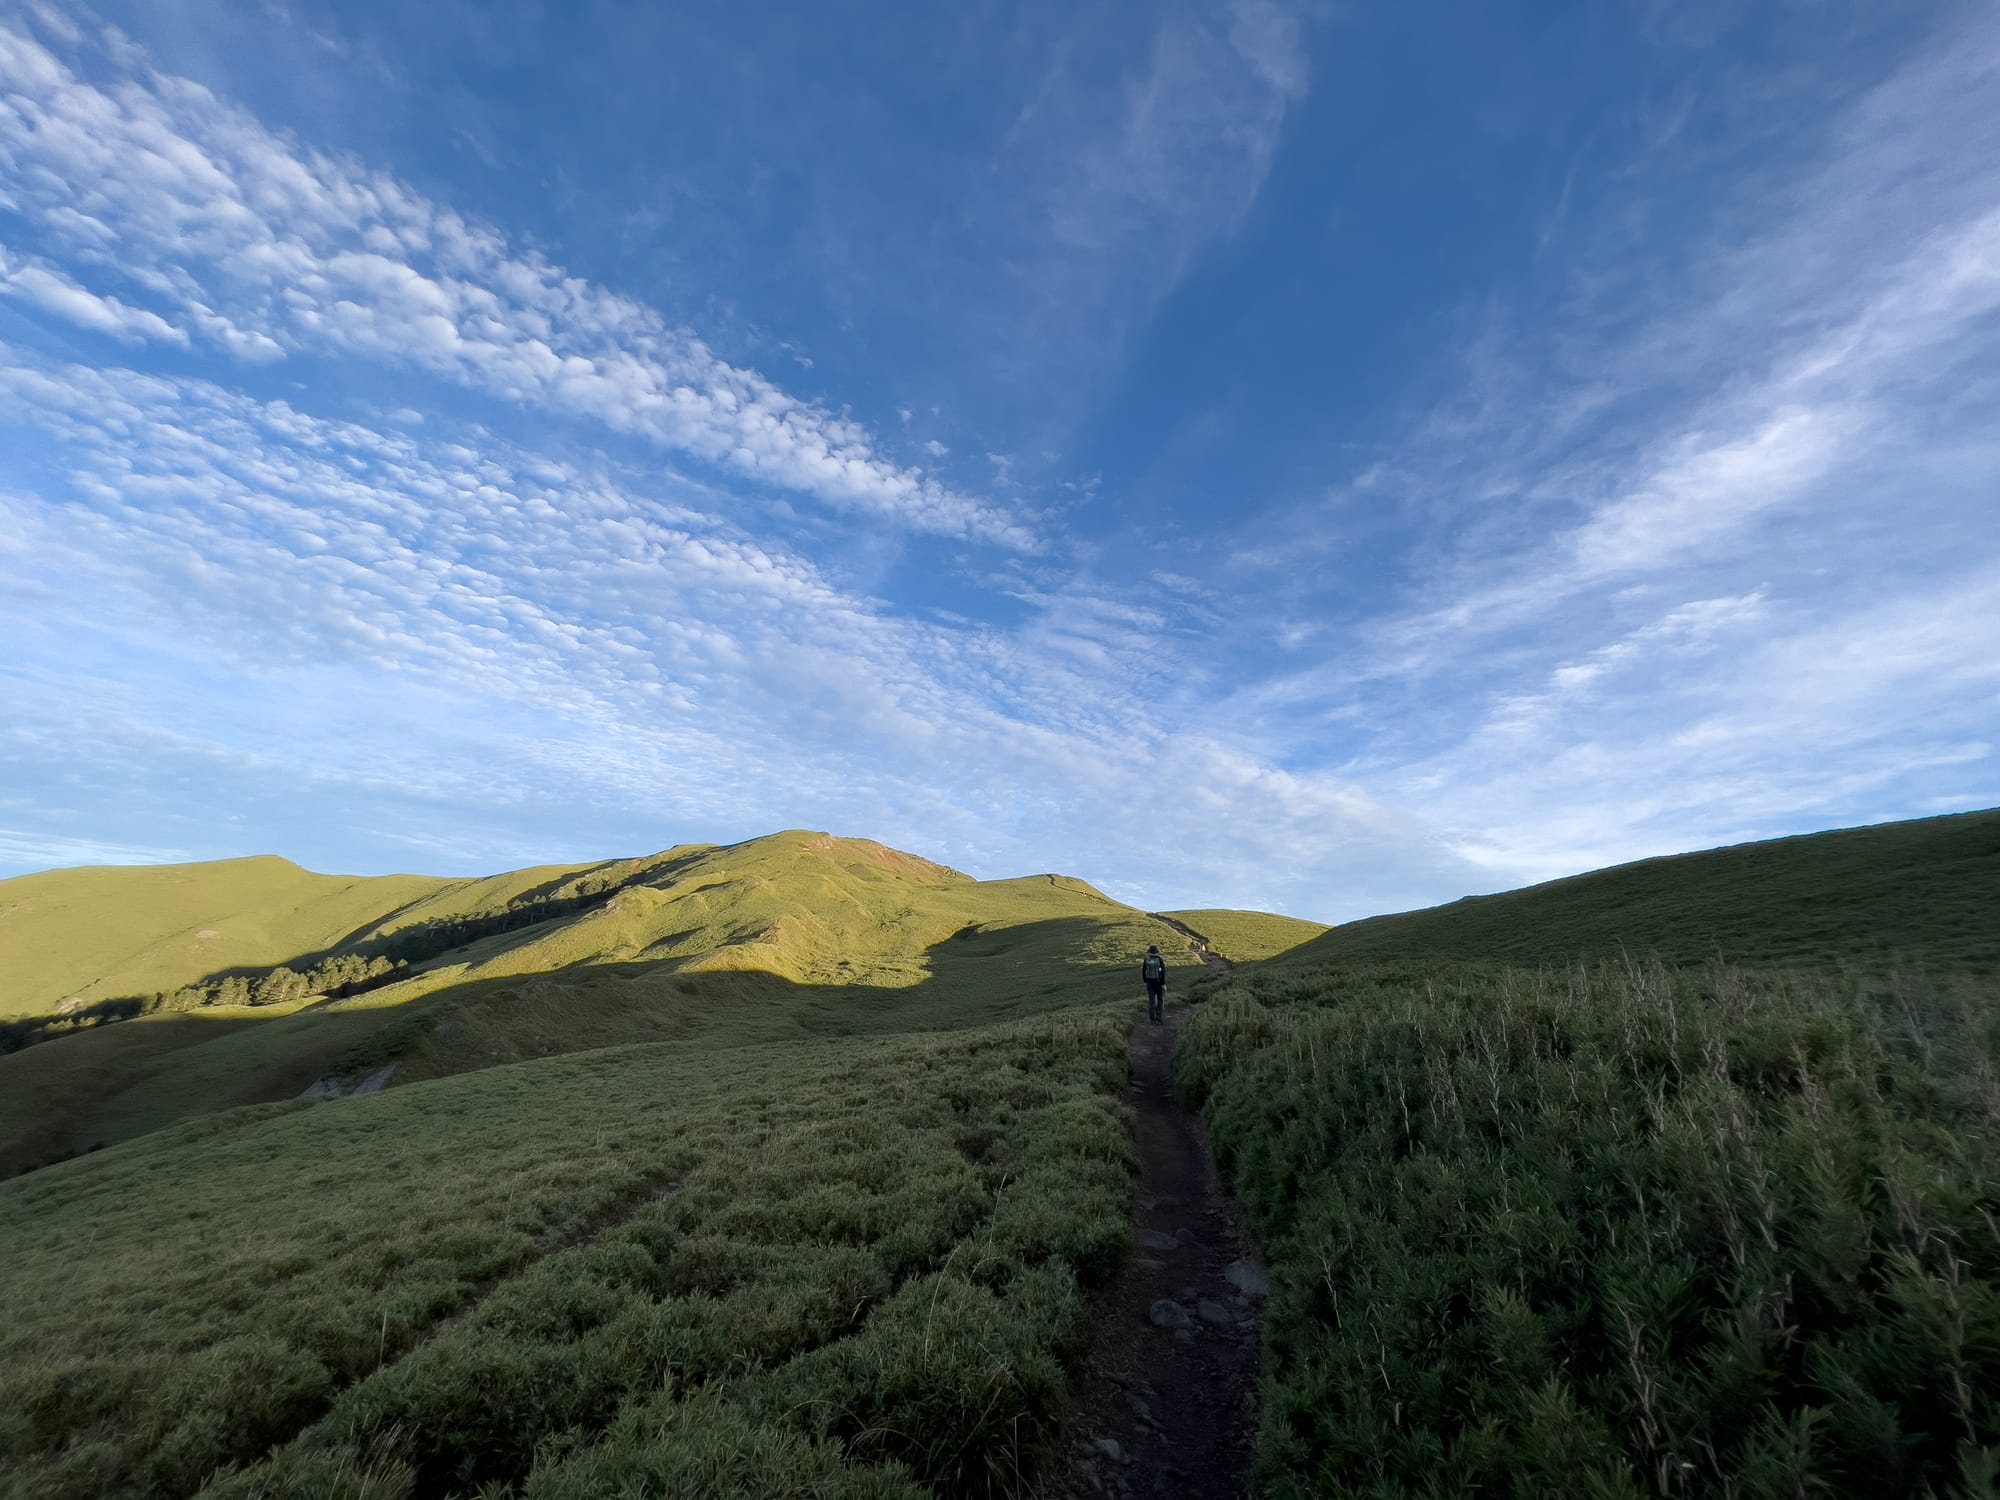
{"points": [[92, 934], [95, 933], [844, 1267], [1242, 936], [1922, 893], [792, 936]]}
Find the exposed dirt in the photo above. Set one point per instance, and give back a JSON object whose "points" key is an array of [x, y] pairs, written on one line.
{"points": [[1168, 1396]]}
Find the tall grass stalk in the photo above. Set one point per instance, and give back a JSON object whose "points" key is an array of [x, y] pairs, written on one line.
{"points": [[1617, 1229]]}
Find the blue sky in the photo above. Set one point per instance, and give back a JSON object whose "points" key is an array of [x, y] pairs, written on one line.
{"points": [[1329, 459]]}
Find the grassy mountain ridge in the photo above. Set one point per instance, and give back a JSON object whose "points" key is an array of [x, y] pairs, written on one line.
{"points": [[1921, 892], [786, 1170], [791, 935], [95, 933]]}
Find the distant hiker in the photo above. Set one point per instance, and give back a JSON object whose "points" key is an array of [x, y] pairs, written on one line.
{"points": [[1154, 972]]}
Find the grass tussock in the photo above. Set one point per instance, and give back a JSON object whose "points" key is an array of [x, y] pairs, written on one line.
{"points": [[1619, 1231], [847, 1268]]}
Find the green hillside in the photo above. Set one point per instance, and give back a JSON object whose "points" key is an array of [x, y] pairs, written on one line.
{"points": [[1241, 936], [794, 935], [1922, 892], [92, 934], [793, 1169], [779, 1169], [836, 1268], [1644, 1224]]}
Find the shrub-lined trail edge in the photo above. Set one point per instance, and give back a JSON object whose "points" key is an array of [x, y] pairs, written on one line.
{"points": [[1166, 1402]]}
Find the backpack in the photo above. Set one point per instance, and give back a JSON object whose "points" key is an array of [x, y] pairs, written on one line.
{"points": [[1155, 967]]}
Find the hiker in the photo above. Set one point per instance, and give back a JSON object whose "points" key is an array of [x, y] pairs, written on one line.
{"points": [[1154, 972]]}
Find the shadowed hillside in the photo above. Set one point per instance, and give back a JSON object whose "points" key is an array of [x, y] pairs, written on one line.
{"points": [[793, 935], [1922, 892], [811, 1205], [842, 1267], [789, 1169], [1557, 1204]]}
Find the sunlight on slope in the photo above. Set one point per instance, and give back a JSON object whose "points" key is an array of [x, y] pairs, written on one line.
{"points": [[786, 937], [100, 932], [95, 933], [1244, 936]]}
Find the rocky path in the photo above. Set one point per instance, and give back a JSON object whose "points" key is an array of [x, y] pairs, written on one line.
{"points": [[1168, 1399]]}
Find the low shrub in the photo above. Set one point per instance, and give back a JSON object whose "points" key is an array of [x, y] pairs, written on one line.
{"points": [[1623, 1231], [765, 1270]]}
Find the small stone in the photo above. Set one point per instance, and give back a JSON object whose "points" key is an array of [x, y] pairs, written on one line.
{"points": [[1183, 1336], [1216, 1313], [1152, 1239], [1169, 1314], [1110, 1449], [1248, 1278], [1141, 1407]]}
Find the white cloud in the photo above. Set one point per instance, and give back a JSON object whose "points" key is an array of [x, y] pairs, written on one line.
{"points": [[265, 247], [238, 593], [1701, 551], [27, 849], [49, 289]]}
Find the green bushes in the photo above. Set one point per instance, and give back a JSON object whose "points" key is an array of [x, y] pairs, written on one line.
{"points": [[769, 1270], [1620, 1232]]}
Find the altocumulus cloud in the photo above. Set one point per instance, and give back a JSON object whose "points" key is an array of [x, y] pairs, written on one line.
{"points": [[241, 237], [444, 615], [1698, 549]]}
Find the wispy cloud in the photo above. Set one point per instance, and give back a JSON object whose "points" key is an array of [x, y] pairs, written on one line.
{"points": [[1688, 539], [439, 618], [53, 292], [23, 849], [1705, 550], [228, 231], [1137, 150]]}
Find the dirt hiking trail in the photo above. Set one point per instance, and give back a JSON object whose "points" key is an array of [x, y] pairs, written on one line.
{"points": [[1167, 1397]]}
